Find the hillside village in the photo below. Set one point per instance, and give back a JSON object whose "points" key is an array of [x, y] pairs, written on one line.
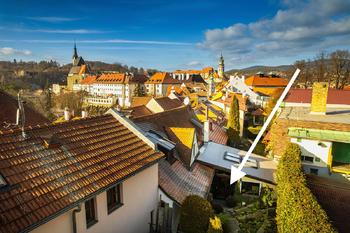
{"points": [[138, 144]]}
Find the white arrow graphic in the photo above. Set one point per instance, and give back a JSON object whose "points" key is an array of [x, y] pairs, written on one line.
{"points": [[237, 174]]}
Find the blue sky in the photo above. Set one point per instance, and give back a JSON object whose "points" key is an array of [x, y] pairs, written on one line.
{"points": [[170, 35]]}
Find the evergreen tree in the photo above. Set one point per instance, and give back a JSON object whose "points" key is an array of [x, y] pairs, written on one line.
{"points": [[48, 104], [138, 92], [233, 126]]}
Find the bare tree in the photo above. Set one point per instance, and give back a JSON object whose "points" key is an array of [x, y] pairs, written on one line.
{"points": [[306, 71], [321, 67], [340, 67]]}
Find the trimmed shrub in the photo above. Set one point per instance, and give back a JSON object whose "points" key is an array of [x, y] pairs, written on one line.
{"points": [[195, 213], [217, 207], [297, 208], [224, 222], [215, 225], [231, 201]]}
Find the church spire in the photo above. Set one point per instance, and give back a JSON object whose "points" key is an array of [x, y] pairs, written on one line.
{"points": [[75, 56]]}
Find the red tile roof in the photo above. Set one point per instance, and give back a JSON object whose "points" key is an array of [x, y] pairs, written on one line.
{"points": [[139, 111], [256, 80], [93, 154], [8, 111], [140, 101], [162, 78], [178, 183], [88, 80], [305, 95], [333, 195], [166, 103], [84, 70], [258, 112], [121, 78], [217, 134]]}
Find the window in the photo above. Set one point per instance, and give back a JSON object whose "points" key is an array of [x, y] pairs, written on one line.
{"points": [[90, 213], [114, 198], [307, 158], [250, 188], [317, 159], [313, 171]]}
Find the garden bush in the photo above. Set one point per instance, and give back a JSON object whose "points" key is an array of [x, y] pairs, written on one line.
{"points": [[231, 201], [215, 225], [297, 208], [224, 222], [195, 213], [217, 207]]}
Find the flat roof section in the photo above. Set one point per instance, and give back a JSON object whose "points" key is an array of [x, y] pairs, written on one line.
{"points": [[213, 154], [333, 115]]}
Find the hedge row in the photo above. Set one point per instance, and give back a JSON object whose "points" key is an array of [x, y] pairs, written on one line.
{"points": [[297, 208]]}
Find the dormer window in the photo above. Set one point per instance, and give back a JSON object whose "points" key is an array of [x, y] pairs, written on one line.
{"points": [[2, 181]]}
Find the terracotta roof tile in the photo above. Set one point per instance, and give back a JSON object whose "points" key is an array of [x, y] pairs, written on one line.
{"points": [[88, 80], [8, 111], [333, 195], [139, 111], [178, 183], [162, 78], [140, 101], [84, 70], [95, 153], [256, 80], [166, 103]]}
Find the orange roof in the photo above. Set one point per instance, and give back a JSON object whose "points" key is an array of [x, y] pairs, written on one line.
{"points": [[111, 78], [205, 70], [256, 80], [84, 70], [162, 78], [266, 91], [88, 80], [140, 101], [179, 90], [62, 165], [139, 111], [183, 137]]}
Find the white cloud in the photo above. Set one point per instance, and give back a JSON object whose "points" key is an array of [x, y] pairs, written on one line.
{"points": [[300, 26], [53, 19], [193, 63], [11, 51]]}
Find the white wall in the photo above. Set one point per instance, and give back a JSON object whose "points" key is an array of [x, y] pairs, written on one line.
{"points": [[140, 198], [312, 149]]}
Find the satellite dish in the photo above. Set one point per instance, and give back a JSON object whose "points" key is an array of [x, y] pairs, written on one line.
{"points": [[187, 101]]}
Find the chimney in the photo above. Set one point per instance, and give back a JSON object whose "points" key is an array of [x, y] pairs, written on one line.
{"points": [[243, 78], [206, 126], [319, 98], [187, 76], [174, 76], [182, 76], [243, 95], [226, 94], [84, 114]]}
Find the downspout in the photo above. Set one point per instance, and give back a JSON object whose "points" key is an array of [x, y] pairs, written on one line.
{"points": [[74, 218]]}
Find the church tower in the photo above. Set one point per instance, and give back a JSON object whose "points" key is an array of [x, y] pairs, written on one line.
{"points": [[221, 68], [75, 55]]}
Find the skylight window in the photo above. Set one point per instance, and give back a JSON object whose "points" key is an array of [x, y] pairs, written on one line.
{"points": [[237, 159], [2, 181]]}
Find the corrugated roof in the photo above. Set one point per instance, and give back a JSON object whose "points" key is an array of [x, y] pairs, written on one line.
{"points": [[305, 96], [328, 135], [94, 154]]}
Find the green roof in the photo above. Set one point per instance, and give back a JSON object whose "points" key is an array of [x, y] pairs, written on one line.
{"points": [[327, 135]]}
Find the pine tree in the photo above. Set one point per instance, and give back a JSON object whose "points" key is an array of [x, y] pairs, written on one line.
{"points": [[233, 126], [138, 92], [48, 104]]}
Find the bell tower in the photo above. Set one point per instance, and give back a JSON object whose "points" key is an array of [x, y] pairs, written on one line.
{"points": [[75, 55], [221, 67]]}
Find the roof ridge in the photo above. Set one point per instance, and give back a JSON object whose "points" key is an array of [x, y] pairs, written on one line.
{"points": [[159, 113]]}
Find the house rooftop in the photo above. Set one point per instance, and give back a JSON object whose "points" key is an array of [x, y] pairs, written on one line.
{"points": [[140, 101], [166, 103], [333, 115], [339, 97], [212, 154], [8, 112], [65, 164], [333, 195]]}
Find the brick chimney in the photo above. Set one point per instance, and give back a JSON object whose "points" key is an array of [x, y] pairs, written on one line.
{"points": [[206, 126], [319, 98]]}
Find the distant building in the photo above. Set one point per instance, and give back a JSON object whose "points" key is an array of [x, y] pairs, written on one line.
{"points": [[180, 75], [221, 67], [158, 84], [79, 70]]}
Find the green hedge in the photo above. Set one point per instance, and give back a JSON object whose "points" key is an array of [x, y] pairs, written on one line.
{"points": [[225, 223], [297, 208], [195, 213]]}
